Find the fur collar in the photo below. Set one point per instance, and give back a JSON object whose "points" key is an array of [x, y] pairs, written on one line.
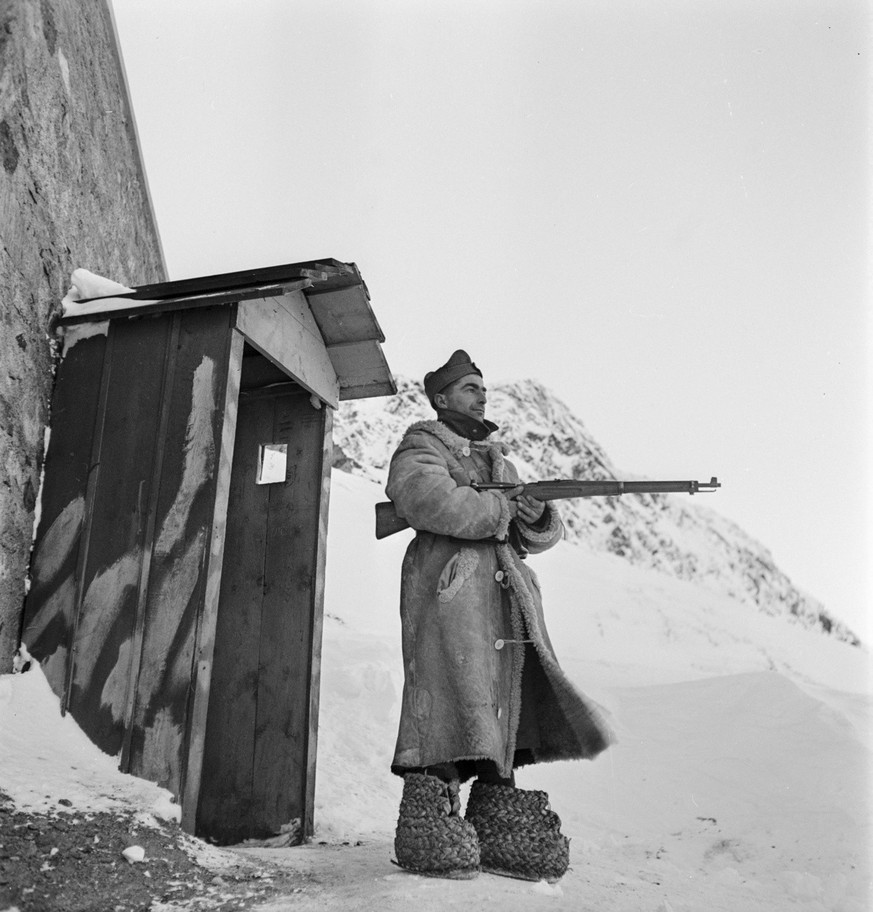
{"points": [[456, 444]]}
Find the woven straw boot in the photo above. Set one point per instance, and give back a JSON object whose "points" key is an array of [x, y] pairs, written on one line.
{"points": [[519, 836], [432, 838]]}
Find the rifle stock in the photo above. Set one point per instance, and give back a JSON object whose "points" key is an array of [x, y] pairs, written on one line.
{"points": [[388, 522]]}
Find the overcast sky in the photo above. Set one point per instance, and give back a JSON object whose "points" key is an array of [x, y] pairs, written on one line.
{"points": [[658, 209]]}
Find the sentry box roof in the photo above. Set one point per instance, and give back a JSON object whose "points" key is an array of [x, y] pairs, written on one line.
{"points": [[312, 321]]}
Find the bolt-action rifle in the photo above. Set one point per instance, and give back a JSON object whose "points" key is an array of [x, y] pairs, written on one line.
{"points": [[388, 522]]}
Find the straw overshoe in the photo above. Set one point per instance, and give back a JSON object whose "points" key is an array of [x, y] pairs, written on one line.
{"points": [[431, 837], [519, 835]]}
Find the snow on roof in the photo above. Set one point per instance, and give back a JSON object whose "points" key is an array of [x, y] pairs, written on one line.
{"points": [[93, 294]]}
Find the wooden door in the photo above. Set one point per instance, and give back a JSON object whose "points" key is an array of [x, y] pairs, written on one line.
{"points": [[259, 754]]}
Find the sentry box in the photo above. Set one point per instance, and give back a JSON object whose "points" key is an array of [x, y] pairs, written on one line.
{"points": [[178, 570]]}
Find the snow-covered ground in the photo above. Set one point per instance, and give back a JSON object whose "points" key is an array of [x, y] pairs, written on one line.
{"points": [[740, 780]]}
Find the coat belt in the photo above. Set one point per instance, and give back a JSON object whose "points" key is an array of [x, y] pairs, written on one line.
{"points": [[513, 538]]}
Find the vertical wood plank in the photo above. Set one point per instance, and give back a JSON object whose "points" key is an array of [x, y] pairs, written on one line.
{"points": [[204, 652], [49, 609], [95, 451], [160, 447], [317, 626]]}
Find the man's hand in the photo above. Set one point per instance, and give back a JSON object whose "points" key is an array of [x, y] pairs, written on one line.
{"points": [[530, 509], [526, 508]]}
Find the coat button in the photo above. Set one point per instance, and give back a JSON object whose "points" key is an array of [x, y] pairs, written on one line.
{"points": [[499, 576], [465, 451]]}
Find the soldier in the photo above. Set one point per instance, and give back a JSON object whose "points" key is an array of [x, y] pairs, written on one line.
{"points": [[483, 693]]}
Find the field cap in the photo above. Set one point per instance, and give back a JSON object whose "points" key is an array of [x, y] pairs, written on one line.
{"points": [[459, 365]]}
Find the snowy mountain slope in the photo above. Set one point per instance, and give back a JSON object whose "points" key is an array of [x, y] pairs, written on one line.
{"points": [[672, 534]]}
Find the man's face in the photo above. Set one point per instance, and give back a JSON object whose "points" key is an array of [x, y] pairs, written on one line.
{"points": [[466, 396]]}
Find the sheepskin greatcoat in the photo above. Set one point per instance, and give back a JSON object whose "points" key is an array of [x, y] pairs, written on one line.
{"points": [[466, 696]]}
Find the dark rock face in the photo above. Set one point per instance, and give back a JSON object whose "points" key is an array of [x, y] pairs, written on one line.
{"points": [[72, 193]]}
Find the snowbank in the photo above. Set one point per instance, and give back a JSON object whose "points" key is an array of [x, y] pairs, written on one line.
{"points": [[48, 764]]}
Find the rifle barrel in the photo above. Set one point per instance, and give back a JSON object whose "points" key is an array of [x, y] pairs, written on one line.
{"points": [[558, 489], [388, 522]]}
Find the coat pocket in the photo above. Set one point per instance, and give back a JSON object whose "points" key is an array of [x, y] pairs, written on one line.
{"points": [[458, 569]]}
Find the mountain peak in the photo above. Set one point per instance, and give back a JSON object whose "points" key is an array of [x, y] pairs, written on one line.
{"points": [[662, 531]]}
